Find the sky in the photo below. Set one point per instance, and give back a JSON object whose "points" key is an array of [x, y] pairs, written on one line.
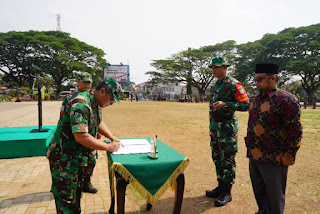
{"points": [[135, 32]]}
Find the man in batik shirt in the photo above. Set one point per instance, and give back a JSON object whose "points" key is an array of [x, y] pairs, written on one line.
{"points": [[227, 96], [273, 138], [80, 121]]}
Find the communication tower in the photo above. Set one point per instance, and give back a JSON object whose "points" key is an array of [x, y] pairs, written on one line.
{"points": [[58, 22]]}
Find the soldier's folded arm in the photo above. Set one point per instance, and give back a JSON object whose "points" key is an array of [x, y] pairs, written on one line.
{"points": [[90, 142]]}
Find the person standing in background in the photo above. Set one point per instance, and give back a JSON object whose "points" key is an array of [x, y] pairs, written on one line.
{"points": [[314, 100], [84, 83]]}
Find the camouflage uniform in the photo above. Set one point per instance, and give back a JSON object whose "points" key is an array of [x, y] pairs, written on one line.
{"points": [[224, 126], [85, 76], [68, 158], [314, 100], [305, 101]]}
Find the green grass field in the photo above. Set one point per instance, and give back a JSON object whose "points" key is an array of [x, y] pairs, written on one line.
{"points": [[185, 127]]}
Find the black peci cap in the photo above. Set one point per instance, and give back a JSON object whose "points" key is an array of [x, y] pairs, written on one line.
{"points": [[269, 68]]}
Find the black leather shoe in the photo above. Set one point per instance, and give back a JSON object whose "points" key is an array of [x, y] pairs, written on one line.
{"points": [[214, 193], [87, 187], [223, 199]]}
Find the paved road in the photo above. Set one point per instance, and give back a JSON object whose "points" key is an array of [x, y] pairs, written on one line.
{"points": [[25, 182], [14, 114]]}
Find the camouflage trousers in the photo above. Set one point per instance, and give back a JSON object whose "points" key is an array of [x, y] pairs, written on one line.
{"points": [[67, 182], [224, 148], [91, 164]]}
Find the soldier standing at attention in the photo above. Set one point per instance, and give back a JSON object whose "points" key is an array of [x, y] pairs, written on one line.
{"points": [[84, 82], [227, 96], [74, 139]]}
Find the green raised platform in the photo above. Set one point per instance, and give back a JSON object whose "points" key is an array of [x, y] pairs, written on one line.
{"points": [[16, 142]]}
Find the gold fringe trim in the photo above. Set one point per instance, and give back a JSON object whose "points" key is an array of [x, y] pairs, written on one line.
{"points": [[141, 189]]}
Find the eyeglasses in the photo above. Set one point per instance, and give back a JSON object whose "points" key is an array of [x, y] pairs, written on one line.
{"points": [[259, 79]]}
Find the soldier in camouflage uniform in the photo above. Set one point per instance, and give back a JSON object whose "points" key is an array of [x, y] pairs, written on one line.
{"points": [[305, 100], [314, 100], [74, 139], [84, 83], [227, 96]]}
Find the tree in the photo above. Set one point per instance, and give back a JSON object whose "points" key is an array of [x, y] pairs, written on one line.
{"points": [[296, 50], [17, 57], [65, 55], [49, 53], [303, 50], [128, 87], [46, 82], [190, 67]]}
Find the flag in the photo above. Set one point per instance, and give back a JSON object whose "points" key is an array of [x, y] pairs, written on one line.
{"points": [[42, 93], [34, 81]]}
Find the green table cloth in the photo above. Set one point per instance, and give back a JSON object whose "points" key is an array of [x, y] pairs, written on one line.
{"points": [[150, 177]]}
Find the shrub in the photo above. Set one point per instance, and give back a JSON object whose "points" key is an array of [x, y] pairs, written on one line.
{"points": [[13, 92], [123, 96], [5, 98]]}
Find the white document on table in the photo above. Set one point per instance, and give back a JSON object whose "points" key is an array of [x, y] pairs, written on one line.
{"points": [[133, 146]]}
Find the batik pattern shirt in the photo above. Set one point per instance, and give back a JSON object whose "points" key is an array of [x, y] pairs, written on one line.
{"points": [[274, 126], [79, 113]]}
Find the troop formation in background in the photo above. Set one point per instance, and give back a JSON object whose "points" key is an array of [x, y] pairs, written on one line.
{"points": [[226, 96], [75, 138], [313, 100]]}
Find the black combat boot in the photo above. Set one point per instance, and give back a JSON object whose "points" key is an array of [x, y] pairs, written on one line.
{"points": [[215, 192], [87, 186], [225, 196]]}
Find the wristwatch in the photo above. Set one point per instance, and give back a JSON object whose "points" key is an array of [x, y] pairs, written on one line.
{"points": [[225, 105]]}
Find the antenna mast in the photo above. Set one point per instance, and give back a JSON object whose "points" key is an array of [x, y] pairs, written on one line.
{"points": [[58, 22]]}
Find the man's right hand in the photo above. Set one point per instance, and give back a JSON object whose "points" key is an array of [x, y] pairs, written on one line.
{"points": [[113, 146]]}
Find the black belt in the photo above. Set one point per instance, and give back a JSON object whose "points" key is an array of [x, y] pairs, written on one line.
{"points": [[215, 116]]}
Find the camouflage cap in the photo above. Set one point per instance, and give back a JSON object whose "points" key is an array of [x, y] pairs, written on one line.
{"points": [[114, 87], [219, 61], [84, 76]]}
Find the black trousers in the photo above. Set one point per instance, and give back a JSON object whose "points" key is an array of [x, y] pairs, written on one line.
{"points": [[269, 186]]}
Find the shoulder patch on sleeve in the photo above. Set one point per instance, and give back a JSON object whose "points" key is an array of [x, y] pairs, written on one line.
{"points": [[241, 95], [80, 127]]}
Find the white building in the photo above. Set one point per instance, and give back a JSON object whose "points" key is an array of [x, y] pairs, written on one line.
{"points": [[169, 91]]}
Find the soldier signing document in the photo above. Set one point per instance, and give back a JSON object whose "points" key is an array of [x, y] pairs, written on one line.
{"points": [[75, 138]]}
